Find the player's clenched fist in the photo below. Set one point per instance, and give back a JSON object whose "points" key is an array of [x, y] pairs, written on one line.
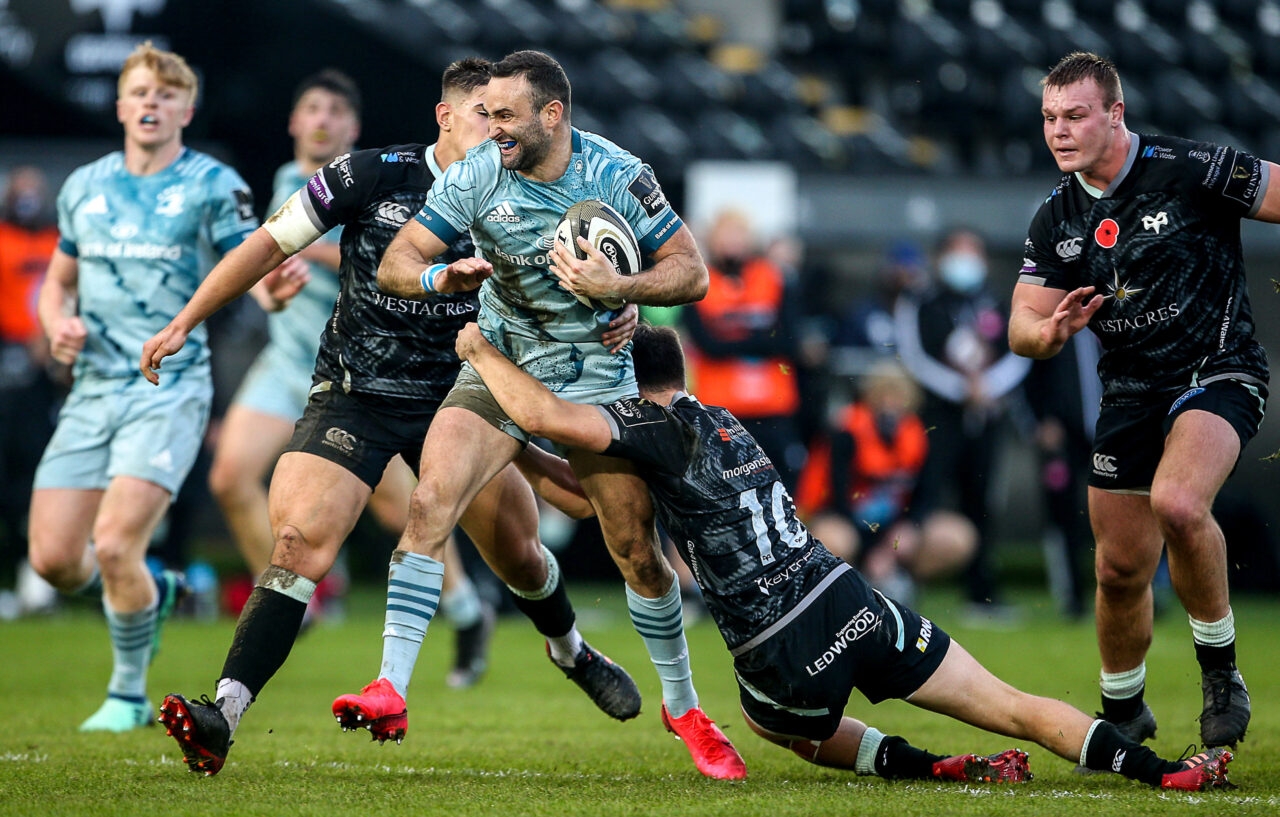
{"points": [[67, 339]]}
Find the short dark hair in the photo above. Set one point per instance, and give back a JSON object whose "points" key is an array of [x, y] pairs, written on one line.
{"points": [[333, 81], [1082, 65], [658, 358], [546, 78], [465, 75]]}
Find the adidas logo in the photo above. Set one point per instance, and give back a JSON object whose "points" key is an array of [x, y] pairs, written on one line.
{"points": [[97, 206], [503, 214], [163, 460]]}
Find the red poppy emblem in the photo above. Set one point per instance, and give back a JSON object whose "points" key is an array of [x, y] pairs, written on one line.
{"points": [[1107, 233]]}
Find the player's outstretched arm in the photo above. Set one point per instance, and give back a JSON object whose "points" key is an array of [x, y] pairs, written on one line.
{"points": [[406, 269], [56, 308], [238, 270], [274, 292], [529, 403], [1043, 319]]}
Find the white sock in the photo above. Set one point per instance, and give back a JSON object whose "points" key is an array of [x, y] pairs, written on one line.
{"points": [[1117, 685], [461, 604], [865, 763], [565, 648], [1214, 633], [235, 698]]}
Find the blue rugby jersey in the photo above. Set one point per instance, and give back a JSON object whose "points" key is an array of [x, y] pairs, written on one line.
{"points": [[512, 219], [142, 245]]}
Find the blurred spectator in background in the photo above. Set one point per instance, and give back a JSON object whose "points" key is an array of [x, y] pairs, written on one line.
{"points": [[28, 393], [1064, 393], [744, 342], [951, 338], [856, 490], [867, 329]]}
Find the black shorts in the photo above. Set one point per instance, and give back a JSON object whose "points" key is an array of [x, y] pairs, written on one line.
{"points": [[362, 432], [1129, 440], [798, 681]]}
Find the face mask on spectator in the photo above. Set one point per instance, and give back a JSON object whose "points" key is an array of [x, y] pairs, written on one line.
{"points": [[962, 271]]}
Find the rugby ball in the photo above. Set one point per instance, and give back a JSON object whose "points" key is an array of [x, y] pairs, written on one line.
{"points": [[606, 230]]}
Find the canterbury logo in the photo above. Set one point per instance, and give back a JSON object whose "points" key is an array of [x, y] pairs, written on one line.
{"points": [[1104, 464], [503, 214], [342, 440], [393, 213], [1117, 761], [1069, 248]]}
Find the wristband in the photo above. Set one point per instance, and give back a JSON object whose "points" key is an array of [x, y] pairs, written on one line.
{"points": [[429, 278]]}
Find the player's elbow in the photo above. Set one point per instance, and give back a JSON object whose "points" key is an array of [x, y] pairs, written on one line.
{"points": [[700, 282]]}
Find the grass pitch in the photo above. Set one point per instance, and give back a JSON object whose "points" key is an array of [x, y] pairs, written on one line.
{"points": [[526, 741]]}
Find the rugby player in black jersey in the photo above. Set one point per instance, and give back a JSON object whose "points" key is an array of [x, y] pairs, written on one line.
{"points": [[804, 628], [383, 368], [1140, 241]]}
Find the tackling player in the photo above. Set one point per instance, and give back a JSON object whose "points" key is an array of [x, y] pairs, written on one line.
{"points": [[804, 628], [384, 365], [132, 225], [1140, 241], [510, 193]]}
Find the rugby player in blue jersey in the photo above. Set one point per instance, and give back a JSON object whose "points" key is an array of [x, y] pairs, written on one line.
{"points": [[804, 628], [134, 226], [509, 193], [384, 366]]}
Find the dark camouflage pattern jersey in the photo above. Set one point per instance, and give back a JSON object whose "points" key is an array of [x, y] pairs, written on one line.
{"points": [[1162, 245], [377, 343], [720, 499]]}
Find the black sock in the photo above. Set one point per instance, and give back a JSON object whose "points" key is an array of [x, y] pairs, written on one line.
{"points": [[897, 759], [1220, 658], [268, 627], [552, 616], [1119, 710], [1110, 751]]}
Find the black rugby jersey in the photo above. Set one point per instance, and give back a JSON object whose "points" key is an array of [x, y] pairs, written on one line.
{"points": [[1162, 245], [374, 342], [720, 499]]}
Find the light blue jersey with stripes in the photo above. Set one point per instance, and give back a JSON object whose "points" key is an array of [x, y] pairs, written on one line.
{"points": [[524, 311], [296, 329], [142, 246]]}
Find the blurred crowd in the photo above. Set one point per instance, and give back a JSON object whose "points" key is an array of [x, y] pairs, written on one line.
{"points": [[887, 413]]}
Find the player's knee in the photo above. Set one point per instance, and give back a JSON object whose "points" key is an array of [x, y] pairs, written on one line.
{"points": [[59, 566], [228, 483], [1120, 578], [432, 505], [292, 548], [115, 554], [1179, 512]]}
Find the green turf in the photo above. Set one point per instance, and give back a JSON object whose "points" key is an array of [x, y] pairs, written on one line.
{"points": [[527, 742]]}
